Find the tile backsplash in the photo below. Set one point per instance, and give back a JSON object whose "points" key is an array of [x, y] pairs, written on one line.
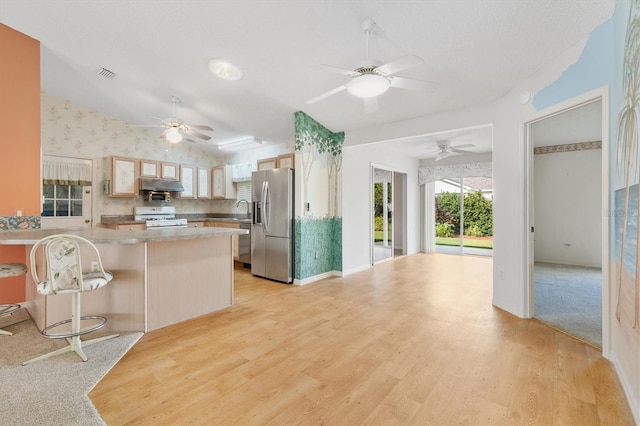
{"points": [[9, 223]]}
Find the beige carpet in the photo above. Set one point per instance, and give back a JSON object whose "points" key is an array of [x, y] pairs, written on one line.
{"points": [[52, 391]]}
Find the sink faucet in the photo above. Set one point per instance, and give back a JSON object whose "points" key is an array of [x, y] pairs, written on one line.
{"points": [[248, 206]]}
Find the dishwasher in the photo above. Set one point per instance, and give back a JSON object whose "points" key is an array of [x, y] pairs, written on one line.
{"points": [[245, 245]]}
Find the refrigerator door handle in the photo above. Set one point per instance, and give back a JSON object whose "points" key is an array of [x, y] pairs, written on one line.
{"points": [[263, 194], [267, 208]]}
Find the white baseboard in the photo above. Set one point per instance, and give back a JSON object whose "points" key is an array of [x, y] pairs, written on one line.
{"points": [[633, 400], [316, 278], [355, 270]]}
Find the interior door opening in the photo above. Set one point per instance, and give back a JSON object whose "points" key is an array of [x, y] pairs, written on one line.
{"points": [[388, 214], [568, 239]]}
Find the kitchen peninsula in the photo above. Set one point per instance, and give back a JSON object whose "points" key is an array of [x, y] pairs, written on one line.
{"points": [[161, 276]]}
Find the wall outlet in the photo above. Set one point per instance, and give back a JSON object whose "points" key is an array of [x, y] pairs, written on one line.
{"points": [[317, 255], [18, 212], [94, 266]]}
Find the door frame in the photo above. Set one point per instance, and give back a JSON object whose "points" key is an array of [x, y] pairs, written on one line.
{"points": [[600, 94]]}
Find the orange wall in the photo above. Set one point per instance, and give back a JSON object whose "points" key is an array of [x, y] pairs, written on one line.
{"points": [[20, 142]]}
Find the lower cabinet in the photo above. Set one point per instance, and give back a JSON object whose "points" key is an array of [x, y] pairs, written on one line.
{"points": [[125, 227]]}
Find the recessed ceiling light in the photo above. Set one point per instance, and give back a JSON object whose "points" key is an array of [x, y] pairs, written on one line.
{"points": [[225, 70]]}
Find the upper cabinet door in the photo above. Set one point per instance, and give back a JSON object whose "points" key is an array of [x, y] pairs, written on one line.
{"points": [[204, 180], [222, 184], [169, 171], [188, 179], [124, 177], [285, 161], [267, 163], [149, 169], [218, 181]]}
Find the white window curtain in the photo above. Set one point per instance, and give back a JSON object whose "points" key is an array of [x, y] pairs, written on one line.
{"points": [[66, 171], [433, 174]]}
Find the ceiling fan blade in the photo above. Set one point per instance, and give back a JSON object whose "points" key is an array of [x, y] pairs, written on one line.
{"points": [[200, 127], [343, 71], [411, 84], [197, 134], [327, 94], [466, 145], [370, 105], [190, 140], [400, 64]]}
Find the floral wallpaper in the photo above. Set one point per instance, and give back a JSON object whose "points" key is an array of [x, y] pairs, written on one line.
{"points": [[71, 130]]}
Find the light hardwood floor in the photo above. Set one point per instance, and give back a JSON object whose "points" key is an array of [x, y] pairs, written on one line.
{"points": [[411, 341]]}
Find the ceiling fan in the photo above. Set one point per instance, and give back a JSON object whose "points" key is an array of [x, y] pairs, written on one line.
{"points": [[445, 149], [175, 128], [373, 78]]}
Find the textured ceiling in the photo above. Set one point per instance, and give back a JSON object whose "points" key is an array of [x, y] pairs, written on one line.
{"points": [[475, 50]]}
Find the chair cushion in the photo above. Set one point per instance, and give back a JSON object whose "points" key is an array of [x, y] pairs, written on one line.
{"points": [[12, 269], [95, 280]]}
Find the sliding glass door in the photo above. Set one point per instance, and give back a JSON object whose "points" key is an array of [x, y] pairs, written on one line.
{"points": [[464, 215], [382, 214]]}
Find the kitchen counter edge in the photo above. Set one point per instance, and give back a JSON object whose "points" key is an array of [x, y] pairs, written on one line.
{"points": [[104, 235]]}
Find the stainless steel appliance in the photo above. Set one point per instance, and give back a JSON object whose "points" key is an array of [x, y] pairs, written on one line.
{"points": [[159, 191], [159, 217], [272, 224]]}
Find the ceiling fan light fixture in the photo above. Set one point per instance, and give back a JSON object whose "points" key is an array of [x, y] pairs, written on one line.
{"points": [[225, 70], [173, 135], [368, 85]]}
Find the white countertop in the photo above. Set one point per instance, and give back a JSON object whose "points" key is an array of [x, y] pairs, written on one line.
{"points": [[104, 235]]}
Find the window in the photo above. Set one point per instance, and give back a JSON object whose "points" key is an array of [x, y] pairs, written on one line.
{"points": [[66, 192], [62, 200]]}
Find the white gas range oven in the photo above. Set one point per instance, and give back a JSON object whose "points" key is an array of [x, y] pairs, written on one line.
{"points": [[159, 217]]}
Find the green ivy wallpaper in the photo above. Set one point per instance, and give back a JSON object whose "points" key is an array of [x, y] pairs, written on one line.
{"points": [[318, 243]]}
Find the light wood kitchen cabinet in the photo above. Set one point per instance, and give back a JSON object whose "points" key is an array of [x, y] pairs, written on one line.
{"points": [[204, 179], [127, 227], [222, 185], [149, 169], [267, 163], [236, 238], [124, 177], [188, 180], [285, 161], [169, 171]]}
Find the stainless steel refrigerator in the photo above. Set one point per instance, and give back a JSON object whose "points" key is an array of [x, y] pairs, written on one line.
{"points": [[272, 229]]}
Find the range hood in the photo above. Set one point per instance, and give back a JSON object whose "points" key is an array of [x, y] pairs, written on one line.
{"points": [[160, 185]]}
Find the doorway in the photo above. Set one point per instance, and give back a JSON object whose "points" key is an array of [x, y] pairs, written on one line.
{"points": [[567, 158], [388, 214]]}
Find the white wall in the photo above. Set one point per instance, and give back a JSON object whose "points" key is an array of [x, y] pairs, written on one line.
{"points": [[356, 199], [567, 203], [508, 116]]}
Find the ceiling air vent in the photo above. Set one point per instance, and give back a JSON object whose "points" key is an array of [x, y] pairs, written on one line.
{"points": [[109, 75]]}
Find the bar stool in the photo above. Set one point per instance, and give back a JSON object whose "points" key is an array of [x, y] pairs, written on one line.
{"points": [[10, 270], [63, 274]]}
